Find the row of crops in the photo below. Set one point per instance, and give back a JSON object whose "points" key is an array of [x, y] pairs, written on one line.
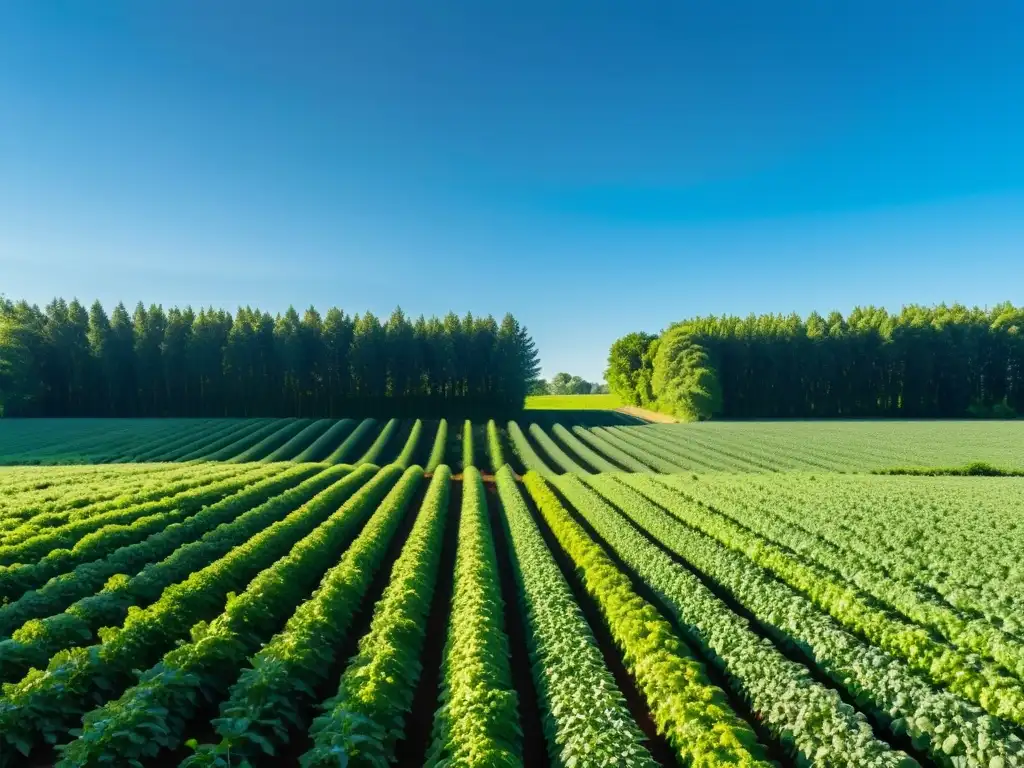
{"points": [[253, 613], [266, 614], [551, 445]]}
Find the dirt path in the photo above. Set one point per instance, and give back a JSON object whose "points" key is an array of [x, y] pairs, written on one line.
{"points": [[651, 416]]}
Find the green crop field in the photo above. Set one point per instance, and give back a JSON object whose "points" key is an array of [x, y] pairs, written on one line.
{"points": [[572, 402], [567, 589]]}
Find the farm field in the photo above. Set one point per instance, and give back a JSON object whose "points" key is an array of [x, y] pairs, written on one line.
{"points": [[299, 592], [549, 441], [573, 402]]}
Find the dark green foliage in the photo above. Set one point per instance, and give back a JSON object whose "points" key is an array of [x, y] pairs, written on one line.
{"points": [[380, 444], [412, 445], [527, 455], [44, 704], [554, 452], [594, 459], [324, 444], [66, 361], [35, 622], [974, 469], [630, 364], [347, 451], [272, 442], [20, 345], [685, 379], [300, 442], [925, 362], [567, 384], [30, 563]]}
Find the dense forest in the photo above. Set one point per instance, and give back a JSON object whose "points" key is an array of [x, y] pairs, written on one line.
{"points": [[66, 360], [925, 362]]}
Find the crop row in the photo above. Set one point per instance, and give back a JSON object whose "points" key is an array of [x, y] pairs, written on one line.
{"points": [[703, 620], [44, 704], [833, 564], [151, 716], [694, 714], [587, 721], [272, 694], [975, 679], [949, 728], [805, 716], [477, 721], [65, 612]]}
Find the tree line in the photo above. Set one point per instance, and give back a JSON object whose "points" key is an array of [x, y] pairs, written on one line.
{"points": [[567, 384], [924, 362], [66, 360]]}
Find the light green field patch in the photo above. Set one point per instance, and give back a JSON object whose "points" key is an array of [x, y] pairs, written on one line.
{"points": [[573, 402]]}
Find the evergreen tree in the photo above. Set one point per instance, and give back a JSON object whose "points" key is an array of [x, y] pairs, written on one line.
{"points": [[65, 361]]}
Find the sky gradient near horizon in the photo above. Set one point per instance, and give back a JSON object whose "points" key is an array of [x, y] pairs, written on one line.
{"points": [[589, 167]]}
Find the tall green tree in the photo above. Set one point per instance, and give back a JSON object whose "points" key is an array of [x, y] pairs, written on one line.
{"points": [[337, 341], [122, 363], [630, 366], [21, 338], [66, 361], [174, 360], [149, 328]]}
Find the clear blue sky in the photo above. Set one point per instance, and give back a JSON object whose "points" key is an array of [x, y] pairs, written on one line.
{"points": [[593, 167]]}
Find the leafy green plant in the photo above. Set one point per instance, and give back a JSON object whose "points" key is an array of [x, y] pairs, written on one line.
{"points": [[975, 679], [494, 447], [322, 446], [586, 720], [42, 705], [151, 716], [33, 640], [96, 537], [229, 448], [299, 441], [657, 456], [186, 441], [559, 457], [974, 469], [346, 451], [605, 448], [808, 719], [525, 451], [272, 694], [693, 714], [362, 724], [638, 452], [952, 731], [380, 444], [181, 500], [412, 442], [272, 441], [33, 516], [593, 459], [468, 451], [440, 445], [477, 722]]}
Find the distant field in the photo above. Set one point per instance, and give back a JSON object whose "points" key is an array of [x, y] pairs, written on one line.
{"points": [[548, 439], [572, 402]]}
